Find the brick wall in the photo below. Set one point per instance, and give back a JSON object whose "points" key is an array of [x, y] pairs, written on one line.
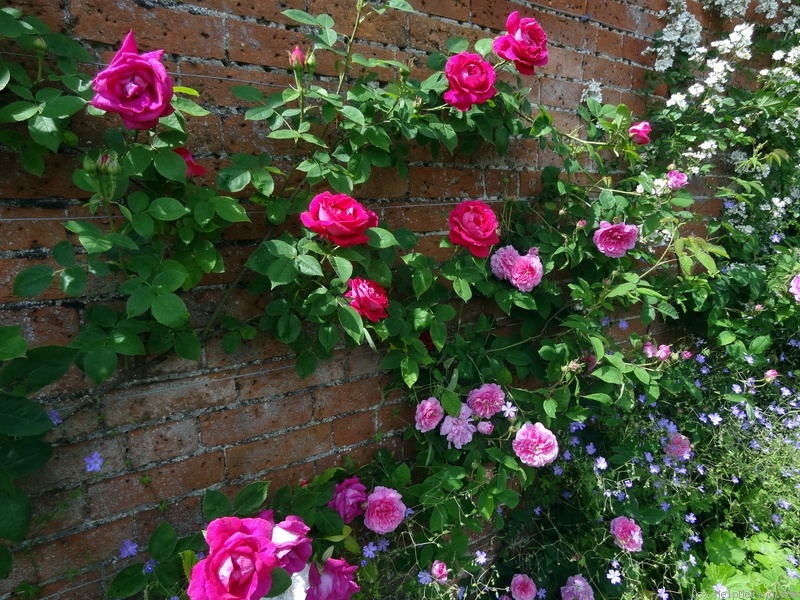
{"points": [[178, 427]]}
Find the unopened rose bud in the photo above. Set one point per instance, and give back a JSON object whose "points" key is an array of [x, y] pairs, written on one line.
{"points": [[102, 162], [89, 165], [581, 224], [113, 167], [39, 45], [771, 375], [311, 64], [70, 139], [297, 59]]}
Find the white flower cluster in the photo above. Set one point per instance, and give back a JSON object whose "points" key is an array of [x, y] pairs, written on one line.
{"points": [[593, 91], [737, 43], [682, 32]]}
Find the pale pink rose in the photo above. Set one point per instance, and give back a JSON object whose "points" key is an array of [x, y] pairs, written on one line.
{"points": [[577, 588], [535, 445], [649, 350], [458, 430], [473, 225], [485, 427], [627, 533], [522, 587], [385, 510], [439, 571], [292, 544], [663, 352], [615, 240], [136, 87], [676, 180], [525, 44], [339, 218], [336, 582], [349, 499], [527, 271], [487, 400], [502, 261], [771, 375], [678, 446], [640, 133], [368, 298], [794, 287], [429, 413], [686, 355], [471, 80]]}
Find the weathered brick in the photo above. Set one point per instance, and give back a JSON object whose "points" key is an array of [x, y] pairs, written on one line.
{"points": [[383, 183], [23, 228], [458, 10], [57, 511], [430, 34], [395, 416], [186, 516], [260, 44], [297, 446], [562, 93], [277, 378], [346, 397], [388, 28], [432, 182], [161, 442], [567, 32], [86, 586], [268, 10], [419, 218], [353, 429]]}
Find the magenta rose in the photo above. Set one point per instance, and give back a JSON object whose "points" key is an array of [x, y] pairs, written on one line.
{"points": [[627, 533], [292, 544], [615, 240], [385, 510], [339, 218], [525, 44], [349, 499], [192, 168], [439, 571], [649, 349], [676, 180], [527, 271], [458, 430], [473, 225], [663, 352], [429, 413], [640, 133], [502, 261], [794, 287], [241, 558], [487, 400], [297, 59], [368, 298], [336, 582], [535, 445], [678, 446], [577, 588], [522, 587], [136, 87], [471, 80]]}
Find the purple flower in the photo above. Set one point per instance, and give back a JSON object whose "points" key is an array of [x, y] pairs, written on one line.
{"points": [[94, 462], [55, 417], [662, 594], [664, 506], [622, 324], [480, 557], [736, 388], [424, 577], [150, 566], [369, 550], [541, 593], [691, 518], [715, 419], [383, 545], [128, 548], [600, 463], [590, 449]]}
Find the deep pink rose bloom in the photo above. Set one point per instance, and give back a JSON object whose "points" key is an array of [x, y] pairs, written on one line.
{"points": [[535, 445], [794, 287], [385, 510], [485, 427], [471, 80], [525, 44], [458, 430], [293, 546], [368, 298], [663, 352], [297, 59], [339, 218], [676, 180], [349, 499], [240, 560], [136, 87], [527, 271], [192, 168], [686, 354], [615, 240], [439, 571], [678, 446], [577, 588], [487, 400], [335, 583], [502, 261], [522, 587], [473, 225], [429, 413], [640, 133], [627, 533]]}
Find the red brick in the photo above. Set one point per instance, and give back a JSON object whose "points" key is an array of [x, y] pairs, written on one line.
{"points": [[277, 378], [458, 10], [239, 424], [267, 10], [260, 44], [567, 32], [395, 416], [563, 63], [301, 445], [186, 516], [58, 511], [353, 429], [346, 397], [608, 72], [358, 362], [577, 7], [562, 93], [175, 479], [430, 34], [485, 13], [77, 421], [432, 182], [161, 442], [383, 183], [419, 218], [389, 28], [23, 228], [86, 586], [613, 13], [56, 181]]}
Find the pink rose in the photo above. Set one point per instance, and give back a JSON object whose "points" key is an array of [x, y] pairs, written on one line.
{"points": [[615, 240], [335, 583], [471, 80], [240, 560], [487, 400], [649, 349], [794, 287], [527, 271], [686, 354], [473, 225], [678, 446], [522, 587], [192, 168], [439, 571], [458, 430], [640, 133], [293, 546], [577, 588], [535, 445], [429, 413], [676, 180], [136, 87], [368, 298], [385, 510], [349, 499], [771, 375], [485, 427], [339, 218], [627, 533], [297, 59], [525, 44], [502, 261], [663, 352]]}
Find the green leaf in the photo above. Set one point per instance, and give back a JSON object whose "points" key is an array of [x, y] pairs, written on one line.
{"points": [[170, 165], [12, 344], [63, 106], [169, 281], [621, 290], [90, 236], [353, 114], [73, 281], [6, 560], [351, 322], [725, 338], [289, 327], [251, 498], [15, 515], [100, 363], [170, 310], [233, 179], [282, 271], [64, 253], [40, 367], [724, 547], [328, 336], [33, 281], [230, 209], [608, 374], [163, 542], [17, 111], [381, 238], [188, 107], [300, 16], [128, 582], [24, 456], [550, 407], [456, 45], [281, 581], [451, 403], [409, 370], [342, 266], [484, 46], [45, 131], [140, 301], [308, 265], [216, 505], [462, 288], [280, 248], [32, 160], [187, 345], [166, 208], [247, 93], [22, 417]]}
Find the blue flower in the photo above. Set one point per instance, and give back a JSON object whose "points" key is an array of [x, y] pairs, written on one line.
{"points": [[128, 548], [150, 566], [55, 417], [664, 506], [622, 324], [690, 518], [383, 544], [94, 462], [541, 593], [715, 419], [600, 463], [480, 557], [424, 577], [590, 449], [369, 550], [509, 410]]}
